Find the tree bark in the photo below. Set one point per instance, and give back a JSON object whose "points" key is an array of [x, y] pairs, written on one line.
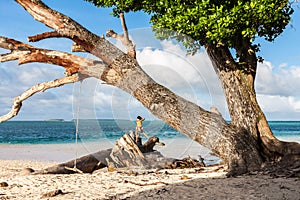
{"points": [[237, 80]]}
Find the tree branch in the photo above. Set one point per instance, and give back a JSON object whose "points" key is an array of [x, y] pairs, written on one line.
{"points": [[66, 27], [124, 38], [124, 26], [17, 104], [42, 36], [25, 53], [54, 34]]}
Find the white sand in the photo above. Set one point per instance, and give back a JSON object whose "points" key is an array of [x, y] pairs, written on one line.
{"points": [[99, 185], [48, 152], [204, 183], [178, 148]]}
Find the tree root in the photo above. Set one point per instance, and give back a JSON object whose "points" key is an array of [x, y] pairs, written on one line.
{"points": [[288, 166]]}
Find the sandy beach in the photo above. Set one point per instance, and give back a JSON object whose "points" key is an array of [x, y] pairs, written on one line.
{"points": [[200, 183]]}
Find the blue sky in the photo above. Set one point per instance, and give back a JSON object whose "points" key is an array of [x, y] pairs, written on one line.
{"points": [[277, 82]]}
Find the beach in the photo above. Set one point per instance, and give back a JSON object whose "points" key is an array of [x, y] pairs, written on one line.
{"points": [[174, 148], [195, 183], [202, 183]]}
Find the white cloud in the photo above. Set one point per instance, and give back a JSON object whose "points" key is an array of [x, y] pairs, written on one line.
{"points": [[52, 103], [283, 80], [278, 107], [270, 103], [173, 67], [278, 90]]}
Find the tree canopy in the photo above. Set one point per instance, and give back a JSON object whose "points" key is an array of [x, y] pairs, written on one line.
{"points": [[210, 21]]}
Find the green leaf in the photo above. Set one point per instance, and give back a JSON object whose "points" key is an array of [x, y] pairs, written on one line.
{"points": [[211, 21]]}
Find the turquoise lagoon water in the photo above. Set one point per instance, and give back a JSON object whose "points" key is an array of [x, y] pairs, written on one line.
{"points": [[56, 132]]}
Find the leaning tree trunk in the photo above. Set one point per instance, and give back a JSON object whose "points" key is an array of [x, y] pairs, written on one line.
{"points": [[207, 128], [246, 115]]}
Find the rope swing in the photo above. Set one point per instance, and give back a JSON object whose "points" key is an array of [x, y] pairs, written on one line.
{"points": [[77, 124], [76, 133]]}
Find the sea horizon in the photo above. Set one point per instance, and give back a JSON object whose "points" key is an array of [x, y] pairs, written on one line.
{"points": [[92, 130], [71, 120], [55, 140]]}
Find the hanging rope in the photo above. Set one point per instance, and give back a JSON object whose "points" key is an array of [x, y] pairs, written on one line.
{"points": [[77, 124], [76, 133]]}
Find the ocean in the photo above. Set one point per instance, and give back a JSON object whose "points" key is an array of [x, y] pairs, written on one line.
{"points": [[57, 132], [55, 140]]}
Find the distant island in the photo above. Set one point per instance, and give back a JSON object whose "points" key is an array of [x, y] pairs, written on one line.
{"points": [[55, 120]]}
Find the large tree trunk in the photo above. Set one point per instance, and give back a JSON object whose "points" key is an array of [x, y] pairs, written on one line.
{"points": [[230, 143], [237, 80]]}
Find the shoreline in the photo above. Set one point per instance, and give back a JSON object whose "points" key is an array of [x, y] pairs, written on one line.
{"points": [[177, 148], [174, 148]]}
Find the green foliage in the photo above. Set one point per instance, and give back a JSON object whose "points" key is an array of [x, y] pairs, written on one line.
{"points": [[211, 21], [118, 5]]}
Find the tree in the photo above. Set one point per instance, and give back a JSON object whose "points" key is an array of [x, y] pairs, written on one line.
{"points": [[220, 26]]}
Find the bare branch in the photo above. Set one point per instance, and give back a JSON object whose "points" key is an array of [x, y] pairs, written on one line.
{"points": [[66, 27], [17, 104], [25, 53], [124, 26], [11, 44], [124, 38], [42, 36]]}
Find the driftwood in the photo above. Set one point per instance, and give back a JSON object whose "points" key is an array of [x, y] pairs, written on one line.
{"points": [[186, 163], [52, 193], [125, 154]]}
